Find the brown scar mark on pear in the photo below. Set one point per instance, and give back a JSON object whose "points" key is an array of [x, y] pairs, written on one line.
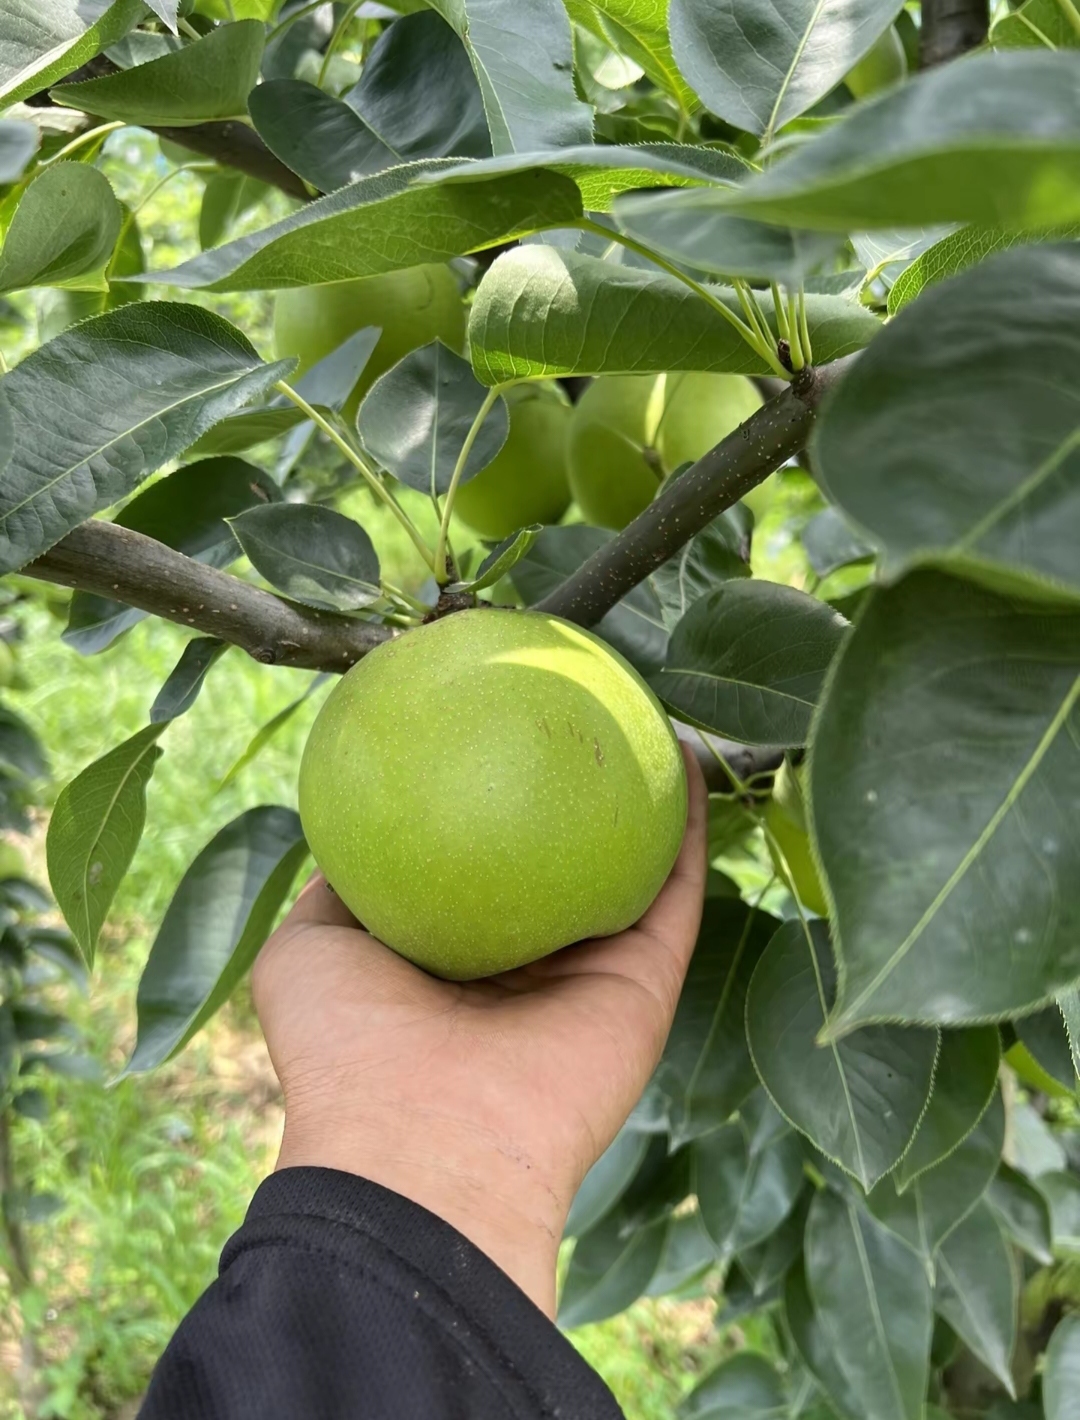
{"points": [[598, 753], [615, 820], [542, 724]]}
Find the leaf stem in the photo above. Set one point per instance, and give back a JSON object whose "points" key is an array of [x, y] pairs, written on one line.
{"points": [[752, 310], [794, 337], [292, 17], [397, 594], [455, 478], [102, 131], [765, 351], [335, 40], [1072, 15], [781, 312], [373, 481], [804, 329], [186, 28]]}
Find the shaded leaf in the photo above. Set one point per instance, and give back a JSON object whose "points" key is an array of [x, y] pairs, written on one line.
{"points": [[744, 1388], [317, 135], [215, 924], [64, 228], [43, 40], [767, 1263], [715, 555], [977, 1291], [1061, 1378], [1062, 1193], [265, 733], [607, 1180], [1033, 1147], [20, 749], [745, 1192], [608, 1271], [18, 142], [965, 1079], [814, 1346], [226, 197], [498, 562], [1045, 1036], [182, 687], [689, 1254], [832, 542], [1022, 1212], [94, 831], [310, 553]]}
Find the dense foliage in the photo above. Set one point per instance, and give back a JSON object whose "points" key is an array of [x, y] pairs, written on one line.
{"points": [[865, 1123]]}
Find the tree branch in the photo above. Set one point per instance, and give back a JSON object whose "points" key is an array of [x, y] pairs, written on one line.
{"points": [[237, 146], [771, 436], [126, 566], [950, 28]]}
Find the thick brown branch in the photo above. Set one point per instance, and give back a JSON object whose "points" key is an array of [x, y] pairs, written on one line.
{"points": [[126, 566], [689, 503], [236, 146], [950, 28]]}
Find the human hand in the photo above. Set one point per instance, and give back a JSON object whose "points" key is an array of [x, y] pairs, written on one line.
{"points": [[486, 1102]]}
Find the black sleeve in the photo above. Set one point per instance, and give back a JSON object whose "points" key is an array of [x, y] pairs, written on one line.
{"points": [[340, 1300]]}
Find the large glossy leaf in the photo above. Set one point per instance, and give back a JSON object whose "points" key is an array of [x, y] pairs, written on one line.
{"points": [[744, 1388], [965, 1078], [94, 831], [873, 1299], [185, 511], [383, 223], [706, 1071], [1022, 1212], [744, 1191], [18, 142], [108, 402], [415, 419], [418, 93], [310, 553], [64, 228], [215, 924], [523, 61], [760, 63], [543, 312], [748, 661], [995, 141], [859, 1100], [813, 1344], [317, 135], [209, 79], [977, 1291], [42, 40], [946, 439], [186, 678], [635, 626], [638, 29], [931, 763], [1061, 1378], [610, 1269], [607, 1180]]}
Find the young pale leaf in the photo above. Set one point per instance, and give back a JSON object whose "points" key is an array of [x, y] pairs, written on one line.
{"points": [[748, 661], [185, 511], [965, 1078], [310, 553], [1022, 1211], [18, 142], [181, 690], [760, 63], [108, 402], [498, 562], [634, 627], [955, 253], [415, 419], [858, 1101], [64, 228], [994, 142], [609, 1269], [266, 733], [813, 1345], [640, 31], [939, 395], [418, 92], [524, 64], [94, 831], [218, 919], [744, 1388], [318, 136], [42, 40], [543, 312], [607, 1180], [873, 1299], [977, 1291], [745, 1193], [1061, 1378], [383, 223], [928, 769], [706, 1071], [206, 80], [716, 555], [1045, 1036]]}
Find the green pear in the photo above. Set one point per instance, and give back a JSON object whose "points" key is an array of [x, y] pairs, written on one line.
{"points": [[630, 432], [412, 307], [883, 65], [490, 787], [526, 482]]}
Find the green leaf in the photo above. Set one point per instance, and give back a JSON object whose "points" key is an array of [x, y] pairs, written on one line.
{"points": [[320, 137], [181, 689], [758, 64], [929, 768], [498, 562], [977, 1291], [1045, 1036], [382, 223], [1033, 1146], [766, 1263], [105, 404], [415, 419], [1022, 1212], [310, 553], [814, 1346], [607, 1180], [542, 312], [994, 141], [94, 831], [1062, 1193], [745, 1192], [185, 511], [418, 93], [860, 1100], [226, 197], [706, 1070], [1069, 1005], [609, 1270], [831, 542], [689, 1254], [1061, 1377], [939, 395], [873, 1299], [955, 253], [1038, 24], [266, 733], [20, 748], [715, 555], [64, 228], [523, 60], [43, 40], [208, 79], [744, 1388], [634, 627], [965, 1079], [748, 661], [18, 143], [218, 919]]}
